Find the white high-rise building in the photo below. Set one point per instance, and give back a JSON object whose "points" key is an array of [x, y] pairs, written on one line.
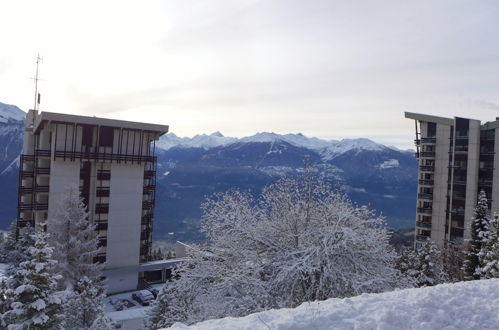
{"points": [[113, 164], [456, 161]]}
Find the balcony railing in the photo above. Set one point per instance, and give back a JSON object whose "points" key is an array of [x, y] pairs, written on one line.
{"points": [[43, 170], [428, 140], [426, 182], [425, 196], [424, 210], [422, 237], [427, 154], [42, 153], [101, 208], [147, 204], [101, 225], [423, 224], [101, 156], [427, 168], [33, 206], [485, 183]]}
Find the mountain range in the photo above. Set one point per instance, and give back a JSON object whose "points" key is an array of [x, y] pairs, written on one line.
{"points": [[189, 169]]}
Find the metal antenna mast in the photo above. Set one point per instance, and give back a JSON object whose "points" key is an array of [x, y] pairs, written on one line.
{"points": [[37, 95]]}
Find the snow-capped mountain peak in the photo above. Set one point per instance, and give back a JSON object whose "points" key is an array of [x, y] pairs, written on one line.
{"points": [[10, 112], [328, 149]]}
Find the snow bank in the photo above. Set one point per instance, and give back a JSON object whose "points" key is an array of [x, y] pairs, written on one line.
{"points": [[465, 305]]}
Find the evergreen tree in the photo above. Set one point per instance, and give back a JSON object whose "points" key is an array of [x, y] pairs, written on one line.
{"points": [[19, 252], [84, 305], [74, 240], [102, 322], [35, 303], [424, 264], [489, 253], [9, 243], [479, 226], [4, 302]]}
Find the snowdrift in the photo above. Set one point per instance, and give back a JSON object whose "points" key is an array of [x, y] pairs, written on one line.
{"points": [[465, 305]]}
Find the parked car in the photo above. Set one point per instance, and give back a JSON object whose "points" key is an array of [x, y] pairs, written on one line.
{"points": [[143, 297], [154, 292]]}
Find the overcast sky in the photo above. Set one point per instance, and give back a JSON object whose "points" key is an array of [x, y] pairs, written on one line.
{"points": [[330, 69]]}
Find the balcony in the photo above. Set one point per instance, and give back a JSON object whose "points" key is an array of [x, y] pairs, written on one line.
{"points": [[417, 142], [27, 174], [427, 154], [426, 168], [42, 153], [102, 192], [101, 225], [149, 174], [100, 258], [148, 204], [459, 182], [101, 208], [422, 224], [426, 182], [147, 219], [33, 206], [27, 158], [422, 237], [425, 196], [485, 183], [102, 156], [428, 140], [43, 170], [149, 189], [462, 137], [424, 210], [104, 175]]}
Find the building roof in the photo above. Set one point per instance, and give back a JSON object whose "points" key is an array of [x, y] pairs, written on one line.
{"points": [[46, 116], [429, 118]]}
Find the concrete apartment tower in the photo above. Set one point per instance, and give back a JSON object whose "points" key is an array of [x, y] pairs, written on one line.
{"points": [[456, 161], [113, 164]]}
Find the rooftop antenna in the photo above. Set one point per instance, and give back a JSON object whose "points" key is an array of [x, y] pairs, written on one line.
{"points": [[37, 95]]}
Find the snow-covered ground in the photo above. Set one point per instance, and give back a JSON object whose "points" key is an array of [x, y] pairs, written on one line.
{"points": [[465, 305]]}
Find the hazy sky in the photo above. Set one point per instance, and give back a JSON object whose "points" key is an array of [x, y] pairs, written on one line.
{"points": [[330, 69]]}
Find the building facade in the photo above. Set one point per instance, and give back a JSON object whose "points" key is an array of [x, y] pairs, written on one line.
{"points": [[113, 163], [457, 159]]}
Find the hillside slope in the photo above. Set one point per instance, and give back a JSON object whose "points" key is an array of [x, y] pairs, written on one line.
{"points": [[464, 305]]}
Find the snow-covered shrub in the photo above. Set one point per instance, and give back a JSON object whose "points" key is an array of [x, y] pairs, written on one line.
{"points": [[300, 241]]}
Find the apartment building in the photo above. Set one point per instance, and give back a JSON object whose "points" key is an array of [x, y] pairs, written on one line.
{"points": [[113, 163], [456, 161]]}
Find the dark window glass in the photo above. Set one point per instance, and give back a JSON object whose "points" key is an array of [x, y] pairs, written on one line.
{"points": [[87, 135], [432, 129], [106, 136]]}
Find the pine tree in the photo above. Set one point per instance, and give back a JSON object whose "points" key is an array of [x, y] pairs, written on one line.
{"points": [[424, 264], [74, 240], [35, 303], [479, 225], [9, 243], [84, 305], [489, 253], [19, 252]]}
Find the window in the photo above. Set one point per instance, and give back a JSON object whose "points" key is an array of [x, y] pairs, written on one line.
{"points": [[106, 136]]}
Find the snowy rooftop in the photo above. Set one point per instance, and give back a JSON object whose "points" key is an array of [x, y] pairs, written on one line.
{"points": [[464, 305]]}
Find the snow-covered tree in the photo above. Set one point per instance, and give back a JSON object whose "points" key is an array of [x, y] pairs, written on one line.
{"points": [[74, 240], [479, 225], [34, 302], [453, 258], [19, 252], [300, 241], [84, 305], [423, 264], [489, 253]]}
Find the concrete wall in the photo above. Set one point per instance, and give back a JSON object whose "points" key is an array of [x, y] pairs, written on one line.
{"points": [[124, 222], [472, 174], [440, 186], [63, 175], [495, 177]]}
